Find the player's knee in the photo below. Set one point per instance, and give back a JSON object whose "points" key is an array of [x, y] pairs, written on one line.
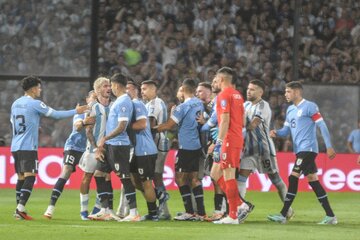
{"points": [[275, 178], [241, 178]]}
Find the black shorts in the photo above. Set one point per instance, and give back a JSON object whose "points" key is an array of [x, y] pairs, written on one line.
{"points": [[188, 160], [117, 159], [72, 158], [144, 166], [26, 161], [305, 163]]}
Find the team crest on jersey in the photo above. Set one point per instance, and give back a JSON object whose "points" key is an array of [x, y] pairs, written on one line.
{"points": [[299, 161], [299, 113], [223, 103], [123, 109], [43, 105], [117, 167], [141, 171], [138, 109], [224, 156]]}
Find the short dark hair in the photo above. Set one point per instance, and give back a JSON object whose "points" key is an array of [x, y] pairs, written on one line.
{"points": [[29, 82], [258, 83], [119, 78], [150, 82], [189, 85], [294, 85], [205, 85], [134, 84], [227, 71]]}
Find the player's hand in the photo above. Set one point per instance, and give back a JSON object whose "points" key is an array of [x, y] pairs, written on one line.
{"points": [[81, 109], [273, 133], [217, 150], [200, 119], [99, 154], [214, 132], [89, 120], [331, 153], [211, 149], [358, 160]]}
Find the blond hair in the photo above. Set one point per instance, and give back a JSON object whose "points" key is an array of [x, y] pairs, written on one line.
{"points": [[99, 82]]}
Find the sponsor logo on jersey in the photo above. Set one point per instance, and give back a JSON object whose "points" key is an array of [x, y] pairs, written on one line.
{"points": [[299, 113], [223, 103], [117, 167], [141, 171], [224, 156], [299, 161], [123, 109]]}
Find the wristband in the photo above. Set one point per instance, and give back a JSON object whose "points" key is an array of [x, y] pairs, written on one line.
{"points": [[219, 141]]}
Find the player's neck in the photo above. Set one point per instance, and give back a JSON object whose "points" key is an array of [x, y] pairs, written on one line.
{"points": [[256, 101], [30, 95], [297, 101], [104, 101]]}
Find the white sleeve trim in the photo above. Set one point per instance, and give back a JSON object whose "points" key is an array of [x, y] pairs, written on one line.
{"points": [[141, 117], [49, 112], [123, 119], [175, 119]]}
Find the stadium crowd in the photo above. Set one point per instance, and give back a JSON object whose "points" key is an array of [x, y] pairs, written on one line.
{"points": [[167, 40]]}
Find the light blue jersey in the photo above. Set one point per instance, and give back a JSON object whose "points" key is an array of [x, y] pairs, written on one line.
{"points": [[301, 121], [185, 116], [77, 140], [25, 120], [354, 139], [120, 111], [145, 144], [101, 114]]}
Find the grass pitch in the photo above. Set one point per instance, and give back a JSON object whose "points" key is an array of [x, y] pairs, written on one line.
{"points": [[66, 223]]}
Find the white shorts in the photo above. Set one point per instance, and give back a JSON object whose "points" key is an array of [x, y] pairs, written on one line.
{"points": [[259, 163], [88, 163]]}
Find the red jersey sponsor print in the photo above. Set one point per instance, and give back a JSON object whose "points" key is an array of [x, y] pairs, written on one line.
{"points": [[230, 101]]}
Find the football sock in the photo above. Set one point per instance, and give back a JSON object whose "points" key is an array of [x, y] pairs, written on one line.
{"points": [[322, 197], [290, 195], [110, 194], [218, 201], [159, 190], [186, 196], [19, 185], [232, 195], [151, 208], [279, 184], [199, 198], [26, 189], [241, 182], [57, 190], [102, 191], [129, 192], [84, 202], [222, 184]]}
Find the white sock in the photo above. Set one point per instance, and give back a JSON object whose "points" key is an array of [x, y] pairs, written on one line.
{"points": [[20, 207], [84, 202], [133, 212]]}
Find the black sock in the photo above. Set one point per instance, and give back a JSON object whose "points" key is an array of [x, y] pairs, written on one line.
{"points": [[110, 192], [322, 197], [26, 189], [58, 188], [129, 192], [19, 185], [199, 198], [218, 201], [102, 191], [151, 208], [290, 195], [186, 196]]}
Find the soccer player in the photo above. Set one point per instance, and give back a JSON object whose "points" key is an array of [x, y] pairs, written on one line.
{"points": [[26, 112], [157, 114], [301, 121], [353, 141], [226, 154], [73, 150], [259, 153], [113, 152], [189, 154], [211, 125], [142, 165], [100, 111]]}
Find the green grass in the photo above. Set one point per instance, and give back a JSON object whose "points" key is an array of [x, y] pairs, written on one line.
{"points": [[66, 223]]}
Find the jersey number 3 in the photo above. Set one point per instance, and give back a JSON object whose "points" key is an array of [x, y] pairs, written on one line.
{"points": [[19, 120]]}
